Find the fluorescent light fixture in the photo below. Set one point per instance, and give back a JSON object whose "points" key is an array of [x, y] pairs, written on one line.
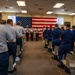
{"points": [[24, 11], [11, 7], [63, 10], [21, 3], [10, 11], [58, 5], [49, 12], [0, 11], [72, 14]]}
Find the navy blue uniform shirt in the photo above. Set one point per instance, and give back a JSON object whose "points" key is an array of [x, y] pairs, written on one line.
{"points": [[49, 34], [56, 35], [66, 41], [45, 33]]}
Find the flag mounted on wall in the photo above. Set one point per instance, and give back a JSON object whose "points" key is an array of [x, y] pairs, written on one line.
{"points": [[25, 21], [36, 21]]}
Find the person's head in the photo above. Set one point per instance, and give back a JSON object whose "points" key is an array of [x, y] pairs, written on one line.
{"points": [[0, 18], [62, 28], [19, 23], [36, 27], [27, 26], [73, 27], [68, 26], [46, 28], [9, 21], [56, 26]]}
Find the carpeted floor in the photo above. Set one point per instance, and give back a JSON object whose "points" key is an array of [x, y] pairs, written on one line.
{"points": [[37, 61]]}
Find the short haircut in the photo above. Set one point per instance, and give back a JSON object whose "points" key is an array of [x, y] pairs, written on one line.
{"points": [[46, 27], [56, 25], [9, 20], [68, 25], [18, 23], [73, 26]]}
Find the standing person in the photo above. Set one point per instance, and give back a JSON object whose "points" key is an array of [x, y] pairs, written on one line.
{"points": [[31, 33], [65, 45], [45, 36], [21, 32], [73, 32], [27, 33], [49, 37], [5, 35], [56, 36], [12, 46], [37, 33]]}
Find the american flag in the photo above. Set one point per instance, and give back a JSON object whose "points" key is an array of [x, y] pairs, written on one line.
{"points": [[43, 22], [25, 21], [39, 22]]}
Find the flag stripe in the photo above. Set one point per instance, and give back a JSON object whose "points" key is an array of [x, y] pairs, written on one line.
{"points": [[43, 23], [44, 20]]}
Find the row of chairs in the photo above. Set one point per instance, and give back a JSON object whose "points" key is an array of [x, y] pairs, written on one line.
{"points": [[68, 63]]}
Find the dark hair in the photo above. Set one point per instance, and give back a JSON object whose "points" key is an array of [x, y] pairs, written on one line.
{"points": [[73, 26], [9, 20], [56, 25], [68, 25], [62, 27], [18, 23]]}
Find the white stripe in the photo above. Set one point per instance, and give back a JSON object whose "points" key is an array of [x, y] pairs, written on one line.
{"points": [[40, 26], [44, 19], [43, 22]]}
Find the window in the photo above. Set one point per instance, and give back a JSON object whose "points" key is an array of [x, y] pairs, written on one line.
{"points": [[13, 18], [60, 21]]}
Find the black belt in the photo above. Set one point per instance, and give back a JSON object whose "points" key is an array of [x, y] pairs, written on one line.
{"points": [[4, 52], [11, 42]]}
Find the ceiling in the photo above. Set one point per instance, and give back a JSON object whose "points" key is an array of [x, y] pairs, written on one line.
{"points": [[38, 6]]}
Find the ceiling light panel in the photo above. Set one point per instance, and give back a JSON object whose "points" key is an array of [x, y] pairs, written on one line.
{"points": [[21, 3], [49, 12], [72, 14], [24, 11], [58, 5]]}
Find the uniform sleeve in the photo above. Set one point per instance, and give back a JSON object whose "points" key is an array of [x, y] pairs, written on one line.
{"points": [[17, 32], [9, 35], [23, 30]]}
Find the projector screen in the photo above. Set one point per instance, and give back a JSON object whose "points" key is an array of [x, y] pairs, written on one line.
{"points": [[13, 18], [60, 20]]}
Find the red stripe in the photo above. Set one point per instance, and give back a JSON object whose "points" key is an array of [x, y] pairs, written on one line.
{"points": [[42, 24], [40, 27], [42, 21], [42, 18]]}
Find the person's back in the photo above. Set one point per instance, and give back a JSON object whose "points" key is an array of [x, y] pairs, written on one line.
{"points": [[45, 33], [3, 39], [66, 39], [20, 29], [49, 36], [73, 40], [56, 36], [4, 56], [65, 45], [56, 33]]}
